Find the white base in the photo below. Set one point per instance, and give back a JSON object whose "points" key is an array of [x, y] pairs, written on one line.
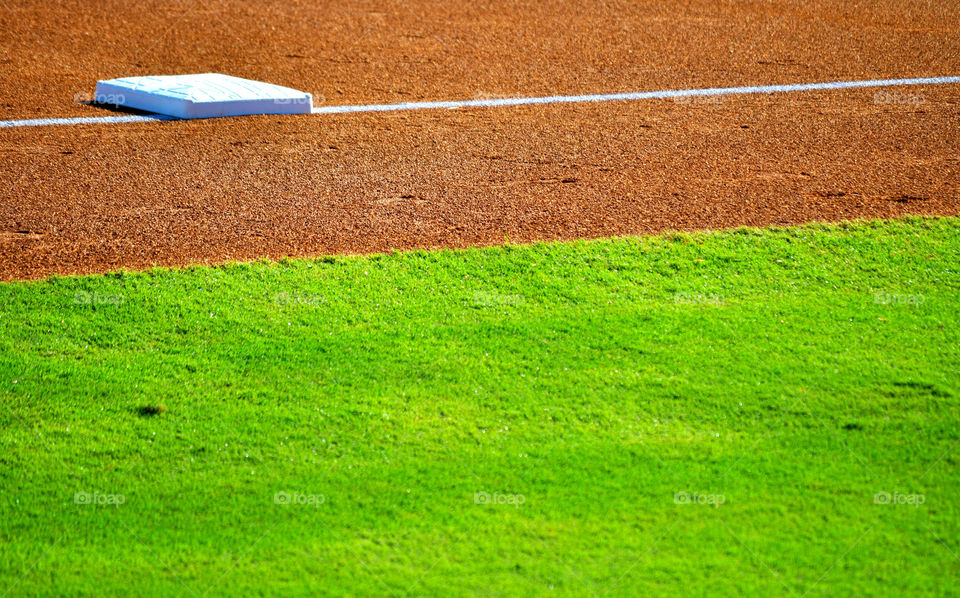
{"points": [[207, 95]]}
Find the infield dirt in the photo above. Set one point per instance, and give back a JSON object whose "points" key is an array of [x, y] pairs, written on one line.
{"points": [[83, 199]]}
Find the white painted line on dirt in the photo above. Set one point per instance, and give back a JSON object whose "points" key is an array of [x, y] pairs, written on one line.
{"points": [[638, 95], [493, 103], [85, 120]]}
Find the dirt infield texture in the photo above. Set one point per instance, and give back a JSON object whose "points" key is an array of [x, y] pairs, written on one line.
{"points": [[93, 198]]}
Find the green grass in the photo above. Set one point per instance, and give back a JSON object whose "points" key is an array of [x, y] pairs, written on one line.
{"points": [[792, 374]]}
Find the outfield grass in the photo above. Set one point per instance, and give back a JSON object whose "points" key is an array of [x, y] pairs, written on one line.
{"points": [[709, 413]]}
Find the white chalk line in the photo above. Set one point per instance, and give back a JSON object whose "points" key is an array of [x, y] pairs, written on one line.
{"points": [[522, 101], [85, 120], [639, 95]]}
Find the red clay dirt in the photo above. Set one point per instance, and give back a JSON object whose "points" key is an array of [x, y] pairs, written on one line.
{"points": [[93, 198]]}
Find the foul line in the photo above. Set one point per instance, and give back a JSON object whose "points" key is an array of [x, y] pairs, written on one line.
{"points": [[638, 95], [85, 120], [497, 102]]}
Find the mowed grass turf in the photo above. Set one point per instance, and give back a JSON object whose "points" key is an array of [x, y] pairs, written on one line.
{"points": [[748, 412]]}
